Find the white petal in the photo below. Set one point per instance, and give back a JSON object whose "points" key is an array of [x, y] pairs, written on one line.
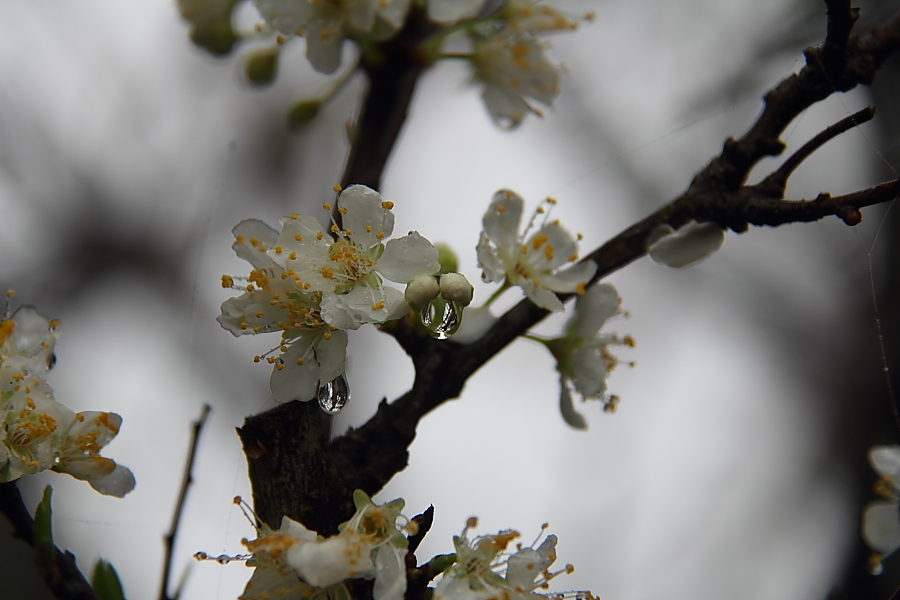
{"points": [[323, 563], [332, 356], [287, 16], [590, 372], [356, 307], [390, 573], [527, 564], [365, 209], [296, 382], [394, 12], [501, 220], [599, 303], [541, 296], [561, 242], [254, 231], [690, 244], [567, 281], [886, 462], [405, 258], [324, 41], [489, 261], [506, 107], [118, 483], [450, 11], [567, 407], [360, 14], [881, 526]]}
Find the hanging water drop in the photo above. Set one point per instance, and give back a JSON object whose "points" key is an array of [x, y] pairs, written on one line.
{"points": [[223, 559], [441, 318], [334, 395]]}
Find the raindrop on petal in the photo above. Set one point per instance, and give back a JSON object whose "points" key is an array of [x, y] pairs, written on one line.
{"points": [[334, 395]]}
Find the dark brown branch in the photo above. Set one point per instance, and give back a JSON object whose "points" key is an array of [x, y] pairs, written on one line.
{"points": [[776, 183], [188, 479], [293, 475], [64, 580]]}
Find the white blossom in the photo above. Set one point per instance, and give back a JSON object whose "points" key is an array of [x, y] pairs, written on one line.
{"points": [[349, 271], [325, 23], [311, 352], [294, 563], [688, 245], [881, 518], [535, 17], [534, 263], [78, 453], [583, 358], [451, 11], [484, 568], [514, 70]]}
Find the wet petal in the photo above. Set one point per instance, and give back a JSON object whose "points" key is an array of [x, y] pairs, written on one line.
{"points": [[501, 221], [568, 281], [118, 483], [250, 236], [488, 260], [881, 526], [366, 210], [599, 303], [296, 381], [390, 573], [690, 244], [331, 355], [405, 258], [590, 371]]}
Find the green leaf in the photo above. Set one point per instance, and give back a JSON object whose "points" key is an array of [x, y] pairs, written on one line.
{"points": [[44, 550], [105, 582]]}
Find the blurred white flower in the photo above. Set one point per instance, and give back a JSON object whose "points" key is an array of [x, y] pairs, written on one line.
{"points": [[293, 563], [311, 352], [451, 11], [27, 341], [325, 23], [534, 263], [881, 518], [536, 17], [688, 245], [484, 569], [514, 69], [349, 271], [583, 358]]}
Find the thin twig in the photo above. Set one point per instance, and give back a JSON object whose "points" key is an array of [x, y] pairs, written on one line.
{"points": [[777, 181], [169, 539]]}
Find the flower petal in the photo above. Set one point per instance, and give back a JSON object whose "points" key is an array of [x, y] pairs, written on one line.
{"points": [[405, 258], [690, 244], [541, 296], [501, 221], [556, 246], [599, 303], [365, 209], [390, 573], [881, 526], [250, 236], [489, 261], [324, 42], [568, 281], [332, 355], [295, 381], [590, 369], [287, 16], [567, 407], [450, 11], [118, 483]]}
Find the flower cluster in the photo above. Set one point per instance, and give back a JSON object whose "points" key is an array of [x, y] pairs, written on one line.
{"points": [[484, 569], [37, 432], [312, 285], [583, 358], [881, 518], [324, 24], [534, 264], [294, 563]]}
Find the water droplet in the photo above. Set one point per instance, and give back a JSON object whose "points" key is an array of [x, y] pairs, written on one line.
{"points": [[51, 361], [485, 278], [450, 318], [334, 395], [223, 559]]}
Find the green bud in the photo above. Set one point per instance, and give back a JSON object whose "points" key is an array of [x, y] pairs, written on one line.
{"points": [[303, 112], [261, 67], [105, 582], [447, 258]]}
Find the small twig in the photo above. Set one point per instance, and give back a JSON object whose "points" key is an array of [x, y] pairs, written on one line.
{"points": [[777, 181], [169, 539], [67, 581]]}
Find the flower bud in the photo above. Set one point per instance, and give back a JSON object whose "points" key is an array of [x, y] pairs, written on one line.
{"points": [[447, 258], [422, 290], [261, 67], [456, 288]]}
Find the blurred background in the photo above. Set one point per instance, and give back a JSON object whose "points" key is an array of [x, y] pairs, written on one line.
{"points": [[735, 466]]}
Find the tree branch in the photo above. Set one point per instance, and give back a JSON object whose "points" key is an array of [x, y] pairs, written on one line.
{"points": [[187, 480]]}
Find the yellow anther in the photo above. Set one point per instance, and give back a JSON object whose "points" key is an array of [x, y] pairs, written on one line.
{"points": [[387, 205], [298, 237], [326, 206], [257, 329], [279, 366], [580, 237], [501, 208], [548, 251], [278, 250], [379, 235], [579, 288], [472, 522], [335, 229], [273, 302], [348, 232], [378, 305], [279, 39], [536, 281], [539, 240], [259, 314], [227, 281], [327, 335], [628, 341], [239, 238], [342, 210], [368, 229], [256, 358], [262, 248], [244, 325], [319, 235], [254, 242], [299, 361], [337, 188], [523, 249], [10, 293], [540, 210], [551, 200], [270, 359], [574, 257]]}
